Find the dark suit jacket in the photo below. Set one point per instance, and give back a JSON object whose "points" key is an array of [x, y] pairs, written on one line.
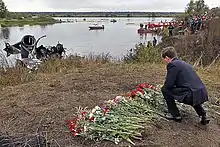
{"points": [[181, 79]]}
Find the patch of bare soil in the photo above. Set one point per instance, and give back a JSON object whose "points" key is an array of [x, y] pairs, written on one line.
{"points": [[43, 106]]}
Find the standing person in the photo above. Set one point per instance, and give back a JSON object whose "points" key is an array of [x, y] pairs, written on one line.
{"points": [[199, 23], [184, 85], [170, 28], [154, 41], [146, 27], [193, 26], [149, 44]]}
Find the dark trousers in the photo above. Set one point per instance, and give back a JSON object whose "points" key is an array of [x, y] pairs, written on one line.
{"points": [[171, 33], [172, 108]]}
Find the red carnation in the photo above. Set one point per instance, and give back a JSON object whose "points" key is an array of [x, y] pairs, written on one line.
{"points": [[72, 127], [147, 86], [76, 118], [83, 114], [133, 93], [70, 122], [154, 87], [92, 119], [106, 110], [141, 86], [140, 90]]}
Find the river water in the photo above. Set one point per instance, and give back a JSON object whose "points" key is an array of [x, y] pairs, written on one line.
{"points": [[116, 39]]}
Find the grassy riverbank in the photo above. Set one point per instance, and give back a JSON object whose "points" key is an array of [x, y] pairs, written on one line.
{"points": [[41, 102], [27, 21]]}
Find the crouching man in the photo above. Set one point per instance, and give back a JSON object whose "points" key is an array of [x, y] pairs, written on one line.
{"points": [[184, 85]]}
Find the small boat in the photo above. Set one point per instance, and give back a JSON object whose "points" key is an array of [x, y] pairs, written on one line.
{"points": [[96, 27], [113, 20]]}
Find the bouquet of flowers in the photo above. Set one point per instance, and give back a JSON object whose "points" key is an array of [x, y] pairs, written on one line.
{"points": [[123, 117]]}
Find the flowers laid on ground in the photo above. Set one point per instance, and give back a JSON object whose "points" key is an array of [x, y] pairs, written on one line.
{"points": [[123, 117]]}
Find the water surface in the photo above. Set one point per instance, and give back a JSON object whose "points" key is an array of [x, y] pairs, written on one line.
{"points": [[116, 39]]}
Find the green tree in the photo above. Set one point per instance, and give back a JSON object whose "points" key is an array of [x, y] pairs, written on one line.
{"points": [[201, 7], [196, 7], [3, 9], [190, 7]]}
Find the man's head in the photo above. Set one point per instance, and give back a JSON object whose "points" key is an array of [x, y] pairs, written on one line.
{"points": [[168, 54]]}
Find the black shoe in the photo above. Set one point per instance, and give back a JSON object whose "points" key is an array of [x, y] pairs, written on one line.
{"points": [[204, 120], [169, 116]]}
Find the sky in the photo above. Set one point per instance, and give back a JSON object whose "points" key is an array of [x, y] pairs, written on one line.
{"points": [[100, 5]]}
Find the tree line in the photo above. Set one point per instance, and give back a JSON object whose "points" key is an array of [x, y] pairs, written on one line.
{"points": [[194, 7], [198, 7], [3, 10]]}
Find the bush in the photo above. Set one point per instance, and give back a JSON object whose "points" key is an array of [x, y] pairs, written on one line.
{"points": [[143, 54]]}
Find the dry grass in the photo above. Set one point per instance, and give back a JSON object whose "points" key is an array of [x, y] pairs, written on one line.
{"points": [[15, 76], [11, 76], [43, 103], [213, 30], [20, 75], [210, 75]]}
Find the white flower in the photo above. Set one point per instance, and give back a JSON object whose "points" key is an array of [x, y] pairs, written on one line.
{"points": [[119, 98], [96, 108], [117, 140], [90, 115], [85, 128], [93, 110]]}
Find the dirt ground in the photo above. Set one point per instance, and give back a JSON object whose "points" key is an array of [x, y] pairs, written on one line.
{"points": [[44, 105]]}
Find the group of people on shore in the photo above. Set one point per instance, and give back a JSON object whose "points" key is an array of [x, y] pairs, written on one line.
{"points": [[198, 22], [191, 25], [195, 23]]}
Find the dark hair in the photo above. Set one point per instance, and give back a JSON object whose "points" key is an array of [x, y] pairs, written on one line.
{"points": [[169, 52]]}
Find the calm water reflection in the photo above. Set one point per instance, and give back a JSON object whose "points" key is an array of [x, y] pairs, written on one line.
{"points": [[115, 39]]}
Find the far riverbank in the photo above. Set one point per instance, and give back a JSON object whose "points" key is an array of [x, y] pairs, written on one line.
{"points": [[27, 21]]}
